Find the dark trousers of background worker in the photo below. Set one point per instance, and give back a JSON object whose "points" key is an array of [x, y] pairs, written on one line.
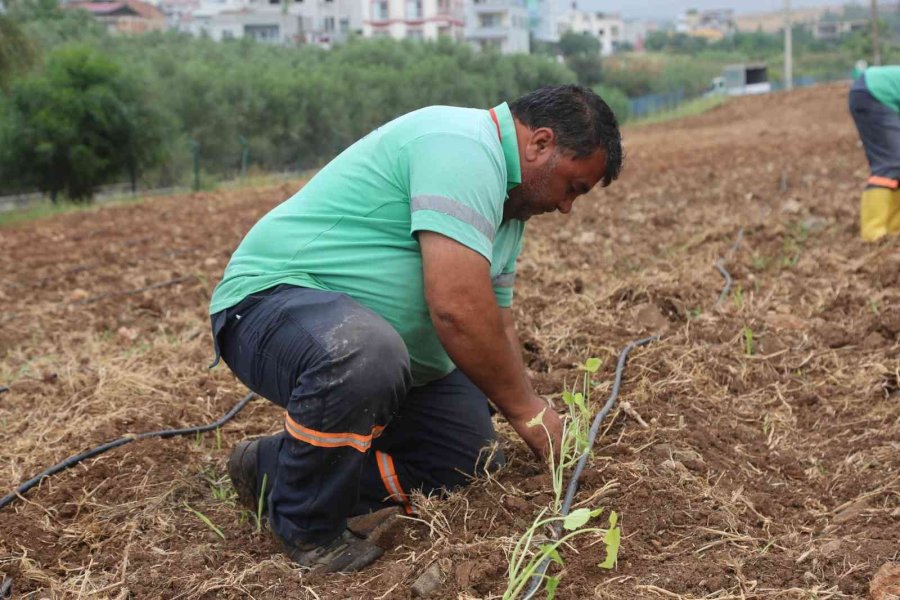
{"points": [[879, 130], [357, 437]]}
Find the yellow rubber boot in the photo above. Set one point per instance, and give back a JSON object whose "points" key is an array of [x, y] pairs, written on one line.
{"points": [[894, 218], [879, 213]]}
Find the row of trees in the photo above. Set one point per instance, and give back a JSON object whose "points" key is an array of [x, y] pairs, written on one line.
{"points": [[96, 108], [79, 108]]}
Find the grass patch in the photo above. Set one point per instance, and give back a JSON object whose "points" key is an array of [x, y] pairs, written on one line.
{"points": [[691, 108], [45, 208]]}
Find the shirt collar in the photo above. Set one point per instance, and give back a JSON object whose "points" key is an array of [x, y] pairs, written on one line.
{"points": [[510, 145]]}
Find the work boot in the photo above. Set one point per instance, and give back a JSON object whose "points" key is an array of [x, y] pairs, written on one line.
{"points": [[879, 213], [243, 469], [344, 554]]}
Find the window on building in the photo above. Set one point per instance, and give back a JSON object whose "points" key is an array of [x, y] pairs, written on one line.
{"points": [[227, 34], [415, 34], [328, 24], [262, 33], [345, 25], [380, 9], [614, 31], [490, 20], [444, 6], [380, 33], [413, 9]]}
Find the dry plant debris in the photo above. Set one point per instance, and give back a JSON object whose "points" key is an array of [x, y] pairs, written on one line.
{"points": [[772, 473]]}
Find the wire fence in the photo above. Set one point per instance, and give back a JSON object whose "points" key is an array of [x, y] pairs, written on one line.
{"points": [[650, 104]]}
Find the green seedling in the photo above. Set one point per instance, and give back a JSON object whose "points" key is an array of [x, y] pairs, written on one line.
{"points": [[611, 539], [749, 346], [737, 296], [218, 438], [260, 503], [525, 562], [759, 262], [206, 520], [523, 565], [873, 306], [219, 487]]}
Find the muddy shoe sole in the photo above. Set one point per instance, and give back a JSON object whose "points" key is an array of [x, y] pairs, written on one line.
{"points": [[371, 525], [242, 469]]}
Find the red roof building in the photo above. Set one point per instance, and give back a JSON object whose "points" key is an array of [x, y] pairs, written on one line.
{"points": [[125, 16]]}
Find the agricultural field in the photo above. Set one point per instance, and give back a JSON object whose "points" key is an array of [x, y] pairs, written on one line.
{"points": [[757, 457]]}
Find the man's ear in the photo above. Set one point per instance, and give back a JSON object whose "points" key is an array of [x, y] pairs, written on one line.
{"points": [[542, 142]]}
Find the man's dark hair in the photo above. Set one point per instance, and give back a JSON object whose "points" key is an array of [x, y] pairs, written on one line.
{"points": [[580, 118]]}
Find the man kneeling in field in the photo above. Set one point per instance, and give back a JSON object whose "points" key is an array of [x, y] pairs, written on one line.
{"points": [[373, 306]]}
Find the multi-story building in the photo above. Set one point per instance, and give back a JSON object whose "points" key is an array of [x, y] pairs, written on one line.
{"points": [[413, 19], [124, 17], [499, 24], [543, 16], [833, 30], [319, 22], [709, 24], [608, 29]]}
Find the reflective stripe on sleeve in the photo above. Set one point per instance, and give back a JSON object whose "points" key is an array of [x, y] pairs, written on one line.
{"points": [[457, 210]]}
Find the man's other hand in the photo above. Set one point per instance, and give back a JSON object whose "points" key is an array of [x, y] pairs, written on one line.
{"points": [[542, 435]]}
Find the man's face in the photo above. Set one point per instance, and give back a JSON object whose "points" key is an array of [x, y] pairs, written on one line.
{"points": [[551, 180]]}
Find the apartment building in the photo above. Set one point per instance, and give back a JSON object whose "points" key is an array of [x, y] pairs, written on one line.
{"points": [[498, 24], [608, 29], [709, 24], [320, 22], [413, 19]]}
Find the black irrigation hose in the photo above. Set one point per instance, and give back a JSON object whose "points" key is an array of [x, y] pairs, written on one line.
{"points": [[572, 488], [720, 265], [163, 434]]}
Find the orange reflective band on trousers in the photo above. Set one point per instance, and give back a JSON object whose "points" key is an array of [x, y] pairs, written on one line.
{"points": [[885, 182], [391, 481], [362, 443]]}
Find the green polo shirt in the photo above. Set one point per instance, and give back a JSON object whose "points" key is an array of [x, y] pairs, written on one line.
{"points": [[884, 84], [352, 227]]}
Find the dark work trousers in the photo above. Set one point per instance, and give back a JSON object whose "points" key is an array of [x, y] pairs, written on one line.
{"points": [[879, 130], [357, 436]]}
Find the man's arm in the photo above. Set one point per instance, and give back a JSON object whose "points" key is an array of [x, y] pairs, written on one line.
{"points": [[476, 335]]}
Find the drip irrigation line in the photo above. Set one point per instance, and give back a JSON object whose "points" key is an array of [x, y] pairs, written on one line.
{"points": [[162, 434], [720, 265], [538, 578]]}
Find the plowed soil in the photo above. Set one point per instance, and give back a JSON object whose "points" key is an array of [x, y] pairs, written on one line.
{"points": [[760, 457]]}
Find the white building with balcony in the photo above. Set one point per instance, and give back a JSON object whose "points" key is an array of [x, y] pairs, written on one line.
{"points": [[498, 24], [608, 29], [319, 22], [413, 19]]}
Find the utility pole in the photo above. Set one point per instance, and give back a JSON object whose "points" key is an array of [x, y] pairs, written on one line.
{"points": [[876, 59], [789, 47]]}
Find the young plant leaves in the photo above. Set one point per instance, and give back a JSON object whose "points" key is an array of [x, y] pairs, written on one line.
{"points": [[576, 519], [612, 540]]}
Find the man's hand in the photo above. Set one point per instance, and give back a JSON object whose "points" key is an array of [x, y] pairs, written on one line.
{"points": [[540, 436]]}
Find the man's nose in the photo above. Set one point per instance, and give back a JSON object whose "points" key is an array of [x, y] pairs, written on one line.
{"points": [[565, 207]]}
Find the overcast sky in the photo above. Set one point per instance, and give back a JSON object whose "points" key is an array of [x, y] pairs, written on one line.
{"points": [[665, 9]]}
